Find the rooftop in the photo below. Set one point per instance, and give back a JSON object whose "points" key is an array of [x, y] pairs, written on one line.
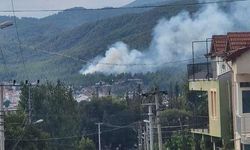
{"points": [[231, 45]]}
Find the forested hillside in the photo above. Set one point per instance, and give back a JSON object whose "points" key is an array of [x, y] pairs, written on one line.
{"points": [[82, 42]]}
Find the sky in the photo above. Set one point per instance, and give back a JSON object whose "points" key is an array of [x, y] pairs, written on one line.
{"points": [[55, 4]]}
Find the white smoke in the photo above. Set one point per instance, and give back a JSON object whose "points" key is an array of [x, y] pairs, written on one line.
{"points": [[172, 40]]}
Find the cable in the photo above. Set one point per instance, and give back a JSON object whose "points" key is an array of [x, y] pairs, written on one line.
{"points": [[21, 136], [113, 64], [71, 137], [4, 62], [94, 133], [18, 38], [134, 7]]}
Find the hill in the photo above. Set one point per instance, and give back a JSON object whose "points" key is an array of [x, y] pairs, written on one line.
{"points": [[85, 42], [33, 30], [147, 2]]}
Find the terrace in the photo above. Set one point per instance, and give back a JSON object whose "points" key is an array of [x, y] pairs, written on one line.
{"points": [[202, 71]]}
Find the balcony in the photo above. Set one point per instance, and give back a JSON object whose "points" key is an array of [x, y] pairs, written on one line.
{"points": [[200, 125], [202, 71], [243, 127]]}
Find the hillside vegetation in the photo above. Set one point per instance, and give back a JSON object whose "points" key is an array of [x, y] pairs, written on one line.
{"points": [[85, 42]]}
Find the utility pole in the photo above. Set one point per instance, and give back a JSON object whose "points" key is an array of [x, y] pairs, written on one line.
{"points": [[99, 134], [151, 130], [150, 122], [139, 136], [2, 139], [144, 139], [156, 93], [29, 104], [146, 133], [158, 119]]}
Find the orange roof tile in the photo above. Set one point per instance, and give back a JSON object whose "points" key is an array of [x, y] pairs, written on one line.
{"points": [[230, 44], [237, 40], [219, 43]]}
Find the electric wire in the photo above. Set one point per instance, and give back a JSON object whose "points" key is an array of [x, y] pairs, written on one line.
{"points": [[18, 39], [24, 124], [4, 62], [132, 7], [94, 133], [72, 137], [113, 64]]}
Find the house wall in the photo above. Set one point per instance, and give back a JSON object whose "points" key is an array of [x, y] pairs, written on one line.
{"points": [[221, 125], [226, 107], [241, 73], [242, 64], [242, 120], [214, 122], [221, 66]]}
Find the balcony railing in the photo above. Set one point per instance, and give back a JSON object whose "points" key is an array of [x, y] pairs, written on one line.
{"points": [[200, 124], [243, 124], [202, 71]]}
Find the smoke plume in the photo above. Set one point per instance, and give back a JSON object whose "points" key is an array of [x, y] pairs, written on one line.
{"points": [[172, 40]]}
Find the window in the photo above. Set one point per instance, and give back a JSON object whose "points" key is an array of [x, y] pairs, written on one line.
{"points": [[213, 103], [246, 147], [244, 84], [246, 101]]}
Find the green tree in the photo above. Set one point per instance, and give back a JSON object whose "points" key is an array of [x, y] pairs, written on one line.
{"points": [[54, 103], [113, 113], [174, 117], [86, 144], [180, 140], [20, 135]]}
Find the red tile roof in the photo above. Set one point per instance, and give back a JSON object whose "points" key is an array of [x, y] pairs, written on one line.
{"points": [[231, 45], [237, 40], [219, 43]]}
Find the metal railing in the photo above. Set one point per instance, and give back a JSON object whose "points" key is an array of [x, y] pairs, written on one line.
{"points": [[202, 71], [200, 124], [243, 124]]}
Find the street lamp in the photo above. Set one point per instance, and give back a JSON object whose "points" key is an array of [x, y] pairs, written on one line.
{"points": [[5, 24], [38, 121]]}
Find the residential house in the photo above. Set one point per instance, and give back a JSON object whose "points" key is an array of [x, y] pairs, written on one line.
{"points": [[227, 84], [237, 56], [212, 80]]}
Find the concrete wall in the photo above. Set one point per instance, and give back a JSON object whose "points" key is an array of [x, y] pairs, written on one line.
{"points": [[214, 122], [221, 66], [226, 107], [221, 125], [242, 64], [241, 73]]}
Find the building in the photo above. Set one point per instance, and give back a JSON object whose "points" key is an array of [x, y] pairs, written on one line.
{"points": [[226, 81], [237, 56], [212, 81], [11, 98]]}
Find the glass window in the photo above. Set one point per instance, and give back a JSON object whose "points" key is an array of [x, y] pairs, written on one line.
{"points": [[246, 147], [246, 101], [244, 84]]}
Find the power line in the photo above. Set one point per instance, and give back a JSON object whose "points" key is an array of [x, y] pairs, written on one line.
{"points": [[113, 64], [18, 38], [134, 7], [4, 61], [71, 137]]}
